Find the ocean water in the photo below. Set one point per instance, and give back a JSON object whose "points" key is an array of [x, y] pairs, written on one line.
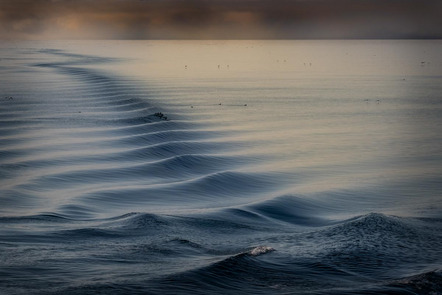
{"points": [[275, 167]]}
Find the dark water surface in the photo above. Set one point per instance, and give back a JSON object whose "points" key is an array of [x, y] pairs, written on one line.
{"points": [[283, 167]]}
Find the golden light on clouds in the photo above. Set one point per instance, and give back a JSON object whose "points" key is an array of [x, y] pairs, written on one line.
{"points": [[241, 17], [217, 19]]}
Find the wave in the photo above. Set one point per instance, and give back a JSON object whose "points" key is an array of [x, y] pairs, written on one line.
{"points": [[175, 169], [346, 258], [294, 210], [100, 195], [427, 283], [227, 275], [44, 218], [102, 141], [360, 255]]}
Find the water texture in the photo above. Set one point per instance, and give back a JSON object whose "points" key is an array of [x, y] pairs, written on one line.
{"points": [[221, 167]]}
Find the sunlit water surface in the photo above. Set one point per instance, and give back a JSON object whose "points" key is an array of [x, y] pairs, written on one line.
{"points": [[276, 167]]}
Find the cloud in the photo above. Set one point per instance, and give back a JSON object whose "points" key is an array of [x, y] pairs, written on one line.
{"points": [[219, 19]]}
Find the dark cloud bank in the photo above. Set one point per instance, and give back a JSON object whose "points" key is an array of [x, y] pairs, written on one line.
{"points": [[217, 19]]}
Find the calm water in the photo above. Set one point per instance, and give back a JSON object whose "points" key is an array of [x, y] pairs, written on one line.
{"points": [[283, 167]]}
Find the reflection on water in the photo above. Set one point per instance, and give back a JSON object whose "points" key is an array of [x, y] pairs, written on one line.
{"points": [[282, 167], [322, 115], [348, 113]]}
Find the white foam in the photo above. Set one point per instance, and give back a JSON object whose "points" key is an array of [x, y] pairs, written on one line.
{"points": [[261, 250]]}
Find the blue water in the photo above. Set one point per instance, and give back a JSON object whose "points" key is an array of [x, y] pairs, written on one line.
{"points": [[283, 167]]}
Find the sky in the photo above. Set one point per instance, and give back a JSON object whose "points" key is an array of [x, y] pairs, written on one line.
{"points": [[220, 19]]}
